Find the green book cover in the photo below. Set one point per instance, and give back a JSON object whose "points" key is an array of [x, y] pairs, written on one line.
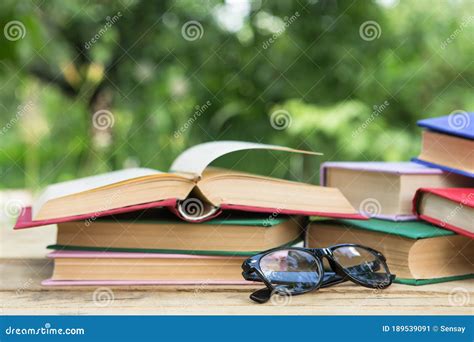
{"points": [[165, 217], [408, 281], [407, 229], [164, 251], [160, 216]]}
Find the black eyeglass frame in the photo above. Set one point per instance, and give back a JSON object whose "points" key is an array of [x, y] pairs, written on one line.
{"points": [[252, 271]]}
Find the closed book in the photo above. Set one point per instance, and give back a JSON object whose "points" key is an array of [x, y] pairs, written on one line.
{"points": [[115, 268], [448, 143], [449, 208], [162, 232], [417, 252], [460, 124], [385, 189]]}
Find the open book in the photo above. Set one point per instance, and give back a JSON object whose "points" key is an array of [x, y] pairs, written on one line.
{"points": [[191, 189]]}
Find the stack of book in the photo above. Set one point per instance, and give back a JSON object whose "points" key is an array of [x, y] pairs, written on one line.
{"points": [[159, 248], [192, 225], [421, 212]]}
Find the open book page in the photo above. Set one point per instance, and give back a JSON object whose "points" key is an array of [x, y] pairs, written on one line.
{"points": [[89, 183], [195, 159]]}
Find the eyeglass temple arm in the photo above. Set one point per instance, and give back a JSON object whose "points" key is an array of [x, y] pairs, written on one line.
{"points": [[263, 295]]}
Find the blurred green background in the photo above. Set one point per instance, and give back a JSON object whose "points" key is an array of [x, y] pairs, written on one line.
{"points": [[93, 86]]}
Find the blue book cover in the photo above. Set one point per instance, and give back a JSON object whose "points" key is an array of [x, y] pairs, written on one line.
{"points": [[443, 167], [458, 123]]}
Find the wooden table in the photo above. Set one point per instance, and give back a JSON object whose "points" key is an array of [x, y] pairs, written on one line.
{"points": [[23, 266]]}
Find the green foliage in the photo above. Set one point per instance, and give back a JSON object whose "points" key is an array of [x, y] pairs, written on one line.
{"points": [[350, 98]]}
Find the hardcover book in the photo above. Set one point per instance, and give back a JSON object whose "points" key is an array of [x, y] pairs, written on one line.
{"points": [[385, 189], [232, 234], [191, 190], [459, 124], [449, 208], [114, 268], [448, 143], [417, 252]]}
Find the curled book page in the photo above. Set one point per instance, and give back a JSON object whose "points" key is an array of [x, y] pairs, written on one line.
{"points": [[195, 159]]}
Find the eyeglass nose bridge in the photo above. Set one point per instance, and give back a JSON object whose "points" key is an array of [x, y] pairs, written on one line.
{"points": [[322, 252]]}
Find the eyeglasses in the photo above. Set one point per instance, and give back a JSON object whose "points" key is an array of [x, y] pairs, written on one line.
{"points": [[294, 271]]}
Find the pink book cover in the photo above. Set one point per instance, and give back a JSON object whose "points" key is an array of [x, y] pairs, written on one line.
{"points": [[387, 167], [94, 255]]}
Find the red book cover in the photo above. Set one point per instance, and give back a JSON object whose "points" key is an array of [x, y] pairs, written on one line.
{"points": [[189, 166], [25, 219], [463, 197]]}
